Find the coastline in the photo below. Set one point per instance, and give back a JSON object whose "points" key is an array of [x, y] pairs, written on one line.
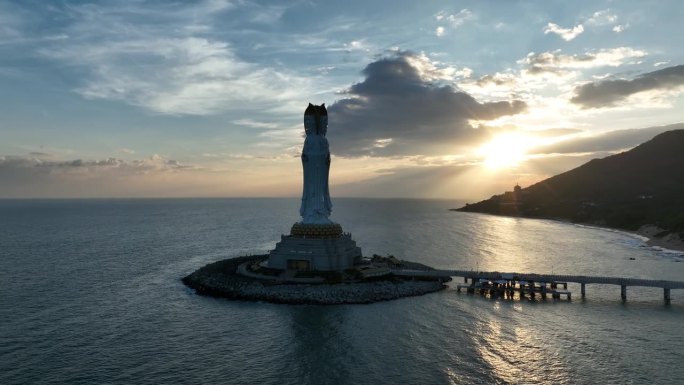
{"points": [[649, 234], [669, 240], [655, 236]]}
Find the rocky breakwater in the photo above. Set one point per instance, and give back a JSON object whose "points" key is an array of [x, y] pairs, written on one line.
{"points": [[220, 279]]}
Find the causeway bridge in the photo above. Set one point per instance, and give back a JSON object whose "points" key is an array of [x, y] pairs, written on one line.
{"points": [[510, 279]]}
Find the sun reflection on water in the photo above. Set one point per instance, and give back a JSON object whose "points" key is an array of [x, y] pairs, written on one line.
{"points": [[514, 352]]}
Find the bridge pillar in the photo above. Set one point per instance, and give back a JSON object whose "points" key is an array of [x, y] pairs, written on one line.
{"points": [[666, 294], [584, 293], [623, 292], [465, 279]]}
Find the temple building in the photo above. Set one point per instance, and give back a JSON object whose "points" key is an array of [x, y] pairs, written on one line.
{"points": [[315, 243]]}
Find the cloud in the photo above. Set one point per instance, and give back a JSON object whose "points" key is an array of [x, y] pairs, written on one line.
{"points": [[555, 61], [498, 85], [167, 62], [269, 15], [153, 163], [406, 106], [498, 80], [555, 132], [607, 93], [456, 19], [36, 177], [465, 180], [620, 27], [357, 45], [324, 70], [606, 18], [603, 17], [256, 124], [413, 181], [194, 76], [155, 176], [457, 180], [566, 34], [10, 24], [617, 140]]}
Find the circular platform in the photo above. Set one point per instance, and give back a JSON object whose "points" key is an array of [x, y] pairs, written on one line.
{"points": [[222, 279]]}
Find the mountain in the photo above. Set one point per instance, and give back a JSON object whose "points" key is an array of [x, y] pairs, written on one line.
{"points": [[644, 185]]}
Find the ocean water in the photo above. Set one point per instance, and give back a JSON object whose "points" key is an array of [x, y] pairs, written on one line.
{"points": [[90, 293]]}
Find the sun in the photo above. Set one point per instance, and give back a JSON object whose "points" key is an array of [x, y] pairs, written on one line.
{"points": [[504, 151]]}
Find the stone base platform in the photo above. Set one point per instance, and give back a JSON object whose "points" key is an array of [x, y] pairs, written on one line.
{"points": [[221, 279], [321, 247]]}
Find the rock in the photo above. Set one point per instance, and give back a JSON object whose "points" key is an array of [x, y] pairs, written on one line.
{"points": [[220, 279]]}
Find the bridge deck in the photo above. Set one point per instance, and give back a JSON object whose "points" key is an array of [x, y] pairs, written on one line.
{"points": [[582, 279]]}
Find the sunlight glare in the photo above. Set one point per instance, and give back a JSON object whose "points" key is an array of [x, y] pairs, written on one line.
{"points": [[506, 150]]}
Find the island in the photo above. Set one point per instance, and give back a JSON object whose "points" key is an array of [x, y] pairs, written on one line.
{"points": [[317, 262]]}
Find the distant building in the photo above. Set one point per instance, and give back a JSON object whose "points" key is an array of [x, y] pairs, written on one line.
{"points": [[511, 201]]}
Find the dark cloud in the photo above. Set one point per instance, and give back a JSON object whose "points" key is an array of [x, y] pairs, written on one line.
{"points": [[34, 177], [153, 163], [608, 92], [398, 110], [610, 141]]}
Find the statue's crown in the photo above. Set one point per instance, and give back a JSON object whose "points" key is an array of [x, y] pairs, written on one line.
{"points": [[316, 119], [316, 110]]}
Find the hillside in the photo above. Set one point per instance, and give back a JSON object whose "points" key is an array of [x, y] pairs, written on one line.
{"points": [[644, 185]]}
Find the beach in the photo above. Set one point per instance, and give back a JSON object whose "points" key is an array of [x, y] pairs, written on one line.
{"points": [[662, 238]]}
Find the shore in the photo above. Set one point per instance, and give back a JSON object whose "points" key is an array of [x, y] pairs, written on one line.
{"points": [[661, 238], [657, 237], [221, 279]]}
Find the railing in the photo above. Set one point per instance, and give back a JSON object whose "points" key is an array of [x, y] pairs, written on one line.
{"points": [[549, 278]]}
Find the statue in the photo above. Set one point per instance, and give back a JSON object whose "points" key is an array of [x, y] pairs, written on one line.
{"points": [[316, 206], [315, 243]]}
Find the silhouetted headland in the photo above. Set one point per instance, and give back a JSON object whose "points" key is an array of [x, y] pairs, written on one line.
{"points": [[638, 190]]}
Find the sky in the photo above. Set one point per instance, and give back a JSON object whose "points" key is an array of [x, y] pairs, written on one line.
{"points": [[426, 99]]}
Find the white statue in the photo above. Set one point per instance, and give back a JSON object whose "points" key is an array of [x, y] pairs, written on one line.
{"points": [[316, 205]]}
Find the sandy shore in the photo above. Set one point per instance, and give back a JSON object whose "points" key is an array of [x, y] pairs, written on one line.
{"points": [[661, 238]]}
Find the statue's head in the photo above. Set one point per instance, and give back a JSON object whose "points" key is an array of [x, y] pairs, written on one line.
{"points": [[316, 119]]}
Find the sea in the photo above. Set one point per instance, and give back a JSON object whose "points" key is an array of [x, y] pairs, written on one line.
{"points": [[91, 293]]}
